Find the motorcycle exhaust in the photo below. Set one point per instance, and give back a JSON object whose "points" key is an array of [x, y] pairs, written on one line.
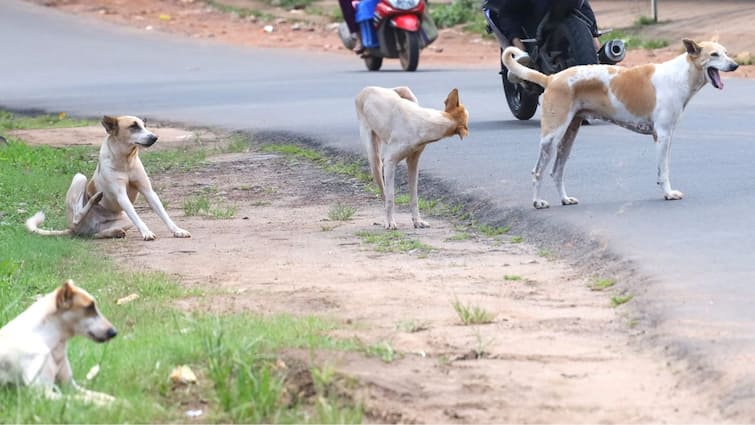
{"points": [[612, 52]]}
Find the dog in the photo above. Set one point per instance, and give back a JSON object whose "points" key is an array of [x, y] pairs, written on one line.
{"points": [[647, 99], [393, 127], [103, 207], [33, 346]]}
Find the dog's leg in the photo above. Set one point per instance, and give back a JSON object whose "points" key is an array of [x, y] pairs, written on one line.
{"points": [[65, 376], [111, 233], [389, 176], [372, 144], [157, 207], [664, 148], [82, 213], [562, 155], [546, 151], [412, 163], [128, 208]]}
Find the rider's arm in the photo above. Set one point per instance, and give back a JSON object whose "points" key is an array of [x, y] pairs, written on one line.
{"points": [[588, 12], [511, 18]]}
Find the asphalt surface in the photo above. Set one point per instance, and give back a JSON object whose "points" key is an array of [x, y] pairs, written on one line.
{"points": [[696, 256]]}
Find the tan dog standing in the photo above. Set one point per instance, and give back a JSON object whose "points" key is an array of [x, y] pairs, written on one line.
{"points": [[647, 99], [393, 127], [33, 346], [103, 207]]}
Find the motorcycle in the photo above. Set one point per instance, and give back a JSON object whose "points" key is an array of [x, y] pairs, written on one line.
{"points": [[398, 29], [562, 40]]}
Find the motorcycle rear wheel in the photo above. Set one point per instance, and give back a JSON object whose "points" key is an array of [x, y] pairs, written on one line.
{"points": [[373, 63], [522, 103], [408, 50]]}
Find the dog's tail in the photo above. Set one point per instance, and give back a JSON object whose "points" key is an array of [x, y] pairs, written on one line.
{"points": [[406, 93], [509, 58], [33, 223]]}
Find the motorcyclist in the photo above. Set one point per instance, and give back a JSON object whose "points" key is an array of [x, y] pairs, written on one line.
{"points": [[518, 19]]}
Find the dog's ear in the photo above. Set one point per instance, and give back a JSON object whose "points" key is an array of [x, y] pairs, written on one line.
{"points": [[110, 124], [64, 295], [693, 49], [452, 101]]}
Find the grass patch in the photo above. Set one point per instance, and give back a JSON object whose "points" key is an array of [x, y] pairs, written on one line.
{"points": [[471, 315], [393, 241], [11, 121], [460, 12], [342, 168], [382, 350], [634, 42], [340, 212], [492, 231], [644, 21], [516, 239], [241, 12], [602, 284], [512, 277], [412, 326], [232, 355], [621, 299], [201, 206]]}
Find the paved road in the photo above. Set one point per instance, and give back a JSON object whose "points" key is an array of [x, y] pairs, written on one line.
{"points": [[699, 253]]}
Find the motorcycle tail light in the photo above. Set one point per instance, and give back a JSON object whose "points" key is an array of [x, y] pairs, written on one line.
{"points": [[404, 4]]}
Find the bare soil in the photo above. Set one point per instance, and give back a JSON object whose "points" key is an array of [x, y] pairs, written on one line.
{"points": [[555, 351]]}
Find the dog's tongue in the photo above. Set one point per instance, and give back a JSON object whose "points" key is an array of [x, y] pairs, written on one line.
{"points": [[715, 76]]}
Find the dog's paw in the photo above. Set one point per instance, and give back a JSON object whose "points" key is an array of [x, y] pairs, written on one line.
{"points": [[391, 225], [674, 195], [181, 233], [569, 201], [149, 236], [119, 233], [540, 204], [420, 224]]}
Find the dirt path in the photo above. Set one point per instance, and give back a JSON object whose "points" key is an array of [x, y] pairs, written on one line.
{"points": [[555, 351]]}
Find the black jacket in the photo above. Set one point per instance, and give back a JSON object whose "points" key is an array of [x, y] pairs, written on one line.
{"points": [[520, 18]]}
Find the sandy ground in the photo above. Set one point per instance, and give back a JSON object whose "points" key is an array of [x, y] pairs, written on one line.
{"points": [[555, 351], [729, 20]]}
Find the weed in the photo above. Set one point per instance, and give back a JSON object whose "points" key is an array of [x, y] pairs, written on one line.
{"points": [[236, 144], [340, 212], [393, 241], [492, 231], [516, 239], [412, 326], [621, 299], [546, 253], [472, 315], [200, 206], [459, 12], [10, 121], [382, 350], [459, 236], [512, 277], [601, 284], [645, 20], [241, 12]]}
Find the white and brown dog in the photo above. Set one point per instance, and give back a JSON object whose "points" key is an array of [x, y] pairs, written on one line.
{"points": [[648, 99], [33, 346], [393, 127], [103, 207]]}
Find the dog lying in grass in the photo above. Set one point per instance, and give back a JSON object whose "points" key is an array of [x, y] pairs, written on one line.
{"points": [[393, 127], [33, 346]]}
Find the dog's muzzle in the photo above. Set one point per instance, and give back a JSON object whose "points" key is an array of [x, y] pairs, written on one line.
{"points": [[149, 141]]}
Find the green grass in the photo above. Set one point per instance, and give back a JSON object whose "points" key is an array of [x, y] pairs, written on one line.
{"points": [[201, 206], [621, 299], [11, 121], [393, 241], [340, 212], [516, 239], [644, 21], [232, 355], [412, 326], [472, 315], [342, 168], [602, 284], [512, 277], [466, 13], [492, 231], [382, 350], [634, 42], [241, 12]]}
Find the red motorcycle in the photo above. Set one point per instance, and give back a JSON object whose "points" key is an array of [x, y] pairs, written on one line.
{"points": [[398, 29]]}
